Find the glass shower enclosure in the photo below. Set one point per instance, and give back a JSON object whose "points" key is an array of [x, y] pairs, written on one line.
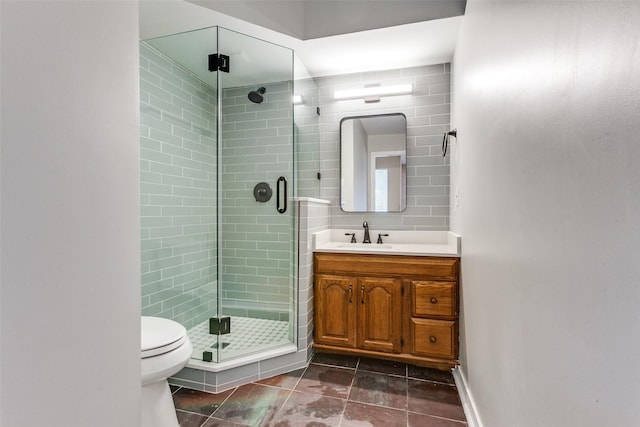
{"points": [[217, 180]]}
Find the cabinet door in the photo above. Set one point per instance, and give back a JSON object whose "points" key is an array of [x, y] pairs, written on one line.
{"points": [[335, 313], [379, 314]]}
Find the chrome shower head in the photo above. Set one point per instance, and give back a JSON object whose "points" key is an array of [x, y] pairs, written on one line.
{"points": [[255, 96]]}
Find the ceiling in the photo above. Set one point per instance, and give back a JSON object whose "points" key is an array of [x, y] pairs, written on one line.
{"points": [[312, 19], [363, 35]]}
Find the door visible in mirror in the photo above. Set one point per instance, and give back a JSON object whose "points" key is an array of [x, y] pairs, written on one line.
{"points": [[373, 163]]}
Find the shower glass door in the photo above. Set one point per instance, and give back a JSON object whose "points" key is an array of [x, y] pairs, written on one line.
{"points": [[256, 239], [218, 252], [178, 183]]}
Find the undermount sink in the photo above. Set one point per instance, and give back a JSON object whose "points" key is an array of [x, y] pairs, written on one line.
{"points": [[372, 246]]}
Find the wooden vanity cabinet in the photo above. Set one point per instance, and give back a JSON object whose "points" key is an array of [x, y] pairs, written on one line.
{"points": [[395, 307]]}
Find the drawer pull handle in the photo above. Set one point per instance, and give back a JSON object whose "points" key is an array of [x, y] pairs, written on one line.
{"points": [[432, 339], [434, 300]]}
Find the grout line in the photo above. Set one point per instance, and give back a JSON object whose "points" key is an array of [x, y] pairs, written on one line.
{"points": [[275, 416], [300, 377], [220, 406], [353, 380], [384, 373], [206, 417], [432, 381], [332, 366], [358, 363], [439, 417], [191, 412], [375, 405], [346, 402]]}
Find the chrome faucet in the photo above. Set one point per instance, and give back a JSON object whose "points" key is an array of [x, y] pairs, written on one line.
{"points": [[366, 233]]}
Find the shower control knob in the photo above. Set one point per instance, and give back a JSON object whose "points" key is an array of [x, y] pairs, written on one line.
{"points": [[262, 192]]}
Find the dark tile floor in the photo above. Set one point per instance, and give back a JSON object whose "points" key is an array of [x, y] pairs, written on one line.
{"points": [[334, 391]]}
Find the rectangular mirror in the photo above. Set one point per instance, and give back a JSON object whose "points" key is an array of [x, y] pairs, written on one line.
{"points": [[373, 163]]}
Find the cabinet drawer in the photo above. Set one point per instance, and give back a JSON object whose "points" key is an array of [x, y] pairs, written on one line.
{"points": [[434, 338], [437, 268], [433, 299]]}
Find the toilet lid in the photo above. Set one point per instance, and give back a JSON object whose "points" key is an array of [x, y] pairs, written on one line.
{"points": [[159, 336]]}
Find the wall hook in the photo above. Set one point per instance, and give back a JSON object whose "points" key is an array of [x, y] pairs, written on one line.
{"points": [[445, 140]]}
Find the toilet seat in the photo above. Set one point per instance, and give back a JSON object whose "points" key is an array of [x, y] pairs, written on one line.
{"points": [[160, 336]]}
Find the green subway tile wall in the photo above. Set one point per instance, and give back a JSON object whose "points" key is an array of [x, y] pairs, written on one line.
{"points": [[257, 246], [307, 139], [178, 191]]}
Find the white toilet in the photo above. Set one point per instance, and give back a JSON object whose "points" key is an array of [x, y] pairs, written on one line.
{"points": [[165, 350]]}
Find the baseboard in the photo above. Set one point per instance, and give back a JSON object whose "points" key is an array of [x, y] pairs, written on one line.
{"points": [[468, 404]]}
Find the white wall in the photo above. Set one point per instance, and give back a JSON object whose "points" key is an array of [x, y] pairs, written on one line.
{"points": [[393, 165], [360, 163], [547, 107], [346, 163], [386, 146], [70, 307]]}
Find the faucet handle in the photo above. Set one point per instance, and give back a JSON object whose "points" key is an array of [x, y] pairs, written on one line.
{"points": [[380, 237], [353, 237]]}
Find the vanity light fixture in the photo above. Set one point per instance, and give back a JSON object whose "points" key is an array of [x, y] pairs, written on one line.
{"points": [[297, 99], [373, 92]]}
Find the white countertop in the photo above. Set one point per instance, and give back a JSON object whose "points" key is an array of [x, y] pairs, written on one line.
{"points": [[420, 243]]}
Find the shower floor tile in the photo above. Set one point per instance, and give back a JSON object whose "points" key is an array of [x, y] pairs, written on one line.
{"points": [[247, 336]]}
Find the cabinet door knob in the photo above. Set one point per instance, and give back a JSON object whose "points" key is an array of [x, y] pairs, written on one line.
{"points": [[434, 300], [432, 339]]}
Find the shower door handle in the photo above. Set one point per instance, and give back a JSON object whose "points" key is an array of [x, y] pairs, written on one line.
{"points": [[283, 209]]}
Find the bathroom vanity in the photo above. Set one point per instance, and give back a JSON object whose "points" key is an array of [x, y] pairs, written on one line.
{"points": [[397, 301]]}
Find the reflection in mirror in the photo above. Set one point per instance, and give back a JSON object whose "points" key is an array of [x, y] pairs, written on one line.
{"points": [[373, 163]]}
